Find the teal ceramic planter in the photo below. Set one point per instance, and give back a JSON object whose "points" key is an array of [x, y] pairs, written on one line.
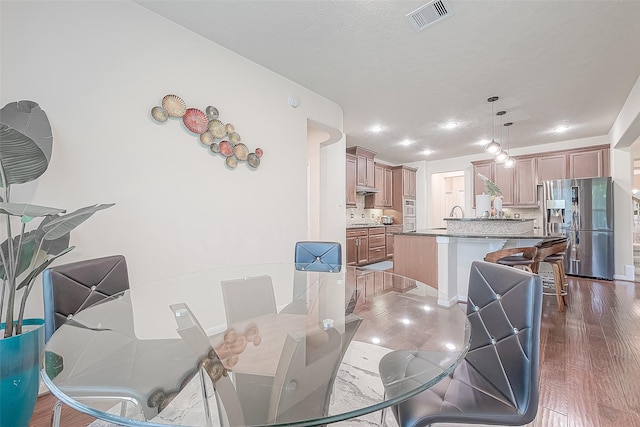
{"points": [[20, 362]]}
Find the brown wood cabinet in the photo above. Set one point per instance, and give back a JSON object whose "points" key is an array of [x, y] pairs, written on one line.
{"points": [[404, 185], [377, 245], [365, 169], [357, 243], [416, 257], [350, 198], [390, 229], [519, 185], [384, 183]]}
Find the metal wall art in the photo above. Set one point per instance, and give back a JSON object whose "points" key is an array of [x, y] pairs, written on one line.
{"points": [[221, 138]]}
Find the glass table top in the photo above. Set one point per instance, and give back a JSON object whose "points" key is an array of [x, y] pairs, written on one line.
{"points": [[253, 345]]}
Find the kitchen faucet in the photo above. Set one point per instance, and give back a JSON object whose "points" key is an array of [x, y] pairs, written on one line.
{"points": [[451, 214]]}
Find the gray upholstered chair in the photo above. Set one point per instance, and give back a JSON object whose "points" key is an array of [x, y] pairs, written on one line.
{"points": [[69, 288], [497, 382], [318, 256]]}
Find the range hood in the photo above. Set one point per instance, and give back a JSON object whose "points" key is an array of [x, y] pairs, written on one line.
{"points": [[361, 189]]}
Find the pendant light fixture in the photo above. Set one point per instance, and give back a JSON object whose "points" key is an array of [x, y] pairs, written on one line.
{"points": [[510, 162], [502, 155], [493, 147]]}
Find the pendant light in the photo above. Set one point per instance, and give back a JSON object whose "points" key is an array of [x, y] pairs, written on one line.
{"points": [[502, 155], [493, 147], [510, 162]]}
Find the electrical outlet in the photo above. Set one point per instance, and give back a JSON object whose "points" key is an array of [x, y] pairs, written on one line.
{"points": [[351, 215], [362, 215]]}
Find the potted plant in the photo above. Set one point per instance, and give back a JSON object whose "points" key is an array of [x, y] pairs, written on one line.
{"points": [[35, 237]]}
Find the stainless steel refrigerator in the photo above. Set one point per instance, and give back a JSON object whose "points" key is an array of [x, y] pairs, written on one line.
{"points": [[582, 210]]}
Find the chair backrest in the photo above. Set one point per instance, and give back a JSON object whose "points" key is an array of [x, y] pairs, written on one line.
{"points": [[550, 248], [304, 378], [504, 309], [318, 256], [247, 298], [69, 288]]}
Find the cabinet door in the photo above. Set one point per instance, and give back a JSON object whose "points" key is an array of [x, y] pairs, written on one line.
{"points": [[388, 187], [586, 164], [526, 191], [504, 179], [379, 198], [352, 251], [351, 181], [552, 167], [363, 250], [408, 184], [370, 173], [479, 187]]}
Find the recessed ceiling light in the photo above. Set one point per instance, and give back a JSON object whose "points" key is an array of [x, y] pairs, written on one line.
{"points": [[560, 129], [406, 141], [483, 142], [450, 125], [377, 128], [426, 152]]}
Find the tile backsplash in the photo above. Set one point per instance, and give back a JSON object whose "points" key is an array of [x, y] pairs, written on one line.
{"points": [[360, 215]]}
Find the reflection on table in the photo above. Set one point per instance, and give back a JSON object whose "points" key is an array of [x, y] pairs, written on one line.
{"points": [[250, 345]]}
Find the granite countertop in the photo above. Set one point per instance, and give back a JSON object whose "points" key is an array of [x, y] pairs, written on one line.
{"points": [[368, 225], [489, 219], [435, 232]]}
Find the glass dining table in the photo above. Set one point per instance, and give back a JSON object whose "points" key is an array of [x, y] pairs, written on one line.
{"points": [[253, 345]]}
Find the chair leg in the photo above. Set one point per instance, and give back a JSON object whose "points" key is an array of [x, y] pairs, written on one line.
{"points": [[558, 284], [56, 414]]}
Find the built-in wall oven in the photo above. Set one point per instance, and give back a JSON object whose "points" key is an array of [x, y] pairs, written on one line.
{"points": [[408, 215]]}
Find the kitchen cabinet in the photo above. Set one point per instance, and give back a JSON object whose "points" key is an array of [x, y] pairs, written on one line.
{"points": [[520, 185], [377, 246], [383, 177], [586, 164], [390, 229], [365, 166], [551, 167], [404, 185], [351, 181], [526, 184], [357, 243]]}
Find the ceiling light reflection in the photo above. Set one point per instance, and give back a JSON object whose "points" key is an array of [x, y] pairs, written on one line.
{"points": [[406, 321], [450, 346], [560, 129], [376, 128], [376, 340], [450, 125], [406, 142]]}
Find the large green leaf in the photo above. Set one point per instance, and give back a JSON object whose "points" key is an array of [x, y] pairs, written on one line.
{"points": [[21, 160], [29, 119], [65, 223], [26, 252], [39, 269], [27, 210]]}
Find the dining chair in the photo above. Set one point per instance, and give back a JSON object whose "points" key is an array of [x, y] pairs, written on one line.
{"points": [[69, 288], [497, 381], [318, 256], [552, 252], [305, 375], [248, 297], [513, 257]]}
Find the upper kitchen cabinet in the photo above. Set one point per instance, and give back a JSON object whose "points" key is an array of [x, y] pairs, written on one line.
{"points": [[589, 164], [351, 181], [365, 169], [404, 182], [384, 184], [519, 185], [552, 166]]}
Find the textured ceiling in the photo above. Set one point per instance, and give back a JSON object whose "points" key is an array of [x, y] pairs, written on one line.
{"points": [[550, 62]]}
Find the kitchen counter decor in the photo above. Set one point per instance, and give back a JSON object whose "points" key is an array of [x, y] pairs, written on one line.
{"points": [[221, 138]]}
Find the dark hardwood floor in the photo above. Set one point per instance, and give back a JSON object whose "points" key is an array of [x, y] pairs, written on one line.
{"points": [[590, 360]]}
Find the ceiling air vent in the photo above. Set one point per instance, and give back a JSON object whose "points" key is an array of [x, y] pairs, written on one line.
{"points": [[429, 14]]}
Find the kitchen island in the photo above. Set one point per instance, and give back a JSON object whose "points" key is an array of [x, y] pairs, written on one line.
{"points": [[442, 258]]}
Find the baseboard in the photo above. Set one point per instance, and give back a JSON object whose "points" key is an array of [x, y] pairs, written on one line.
{"points": [[630, 274]]}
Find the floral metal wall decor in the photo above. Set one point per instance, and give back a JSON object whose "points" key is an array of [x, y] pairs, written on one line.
{"points": [[220, 137]]}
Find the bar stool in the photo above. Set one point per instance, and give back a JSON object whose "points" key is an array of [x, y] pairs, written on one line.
{"points": [[514, 257], [552, 252]]}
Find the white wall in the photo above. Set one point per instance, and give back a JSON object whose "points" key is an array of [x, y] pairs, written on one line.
{"points": [[97, 68]]}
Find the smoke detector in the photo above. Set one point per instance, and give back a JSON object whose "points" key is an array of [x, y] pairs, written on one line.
{"points": [[430, 14]]}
